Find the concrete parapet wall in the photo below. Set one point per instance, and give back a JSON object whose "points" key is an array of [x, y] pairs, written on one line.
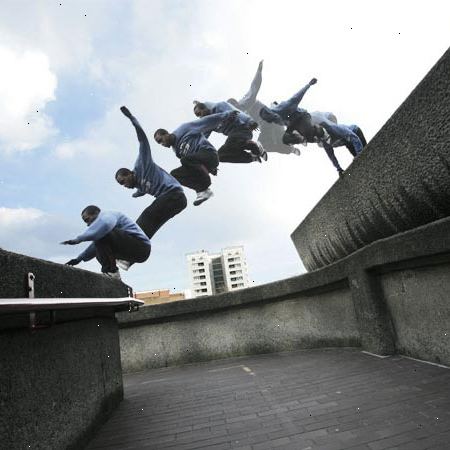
{"points": [[380, 298], [62, 378], [53, 280], [419, 303], [400, 181], [267, 325], [59, 383]]}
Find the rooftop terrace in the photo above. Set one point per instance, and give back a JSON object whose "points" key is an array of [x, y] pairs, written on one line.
{"points": [[326, 399]]}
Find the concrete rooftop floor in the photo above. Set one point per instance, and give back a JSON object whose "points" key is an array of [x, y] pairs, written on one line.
{"points": [[326, 399]]}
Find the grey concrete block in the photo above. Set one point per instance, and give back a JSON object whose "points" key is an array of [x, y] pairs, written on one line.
{"points": [[399, 182]]}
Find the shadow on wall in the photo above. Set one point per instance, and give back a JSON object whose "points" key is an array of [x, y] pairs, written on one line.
{"points": [[400, 181]]}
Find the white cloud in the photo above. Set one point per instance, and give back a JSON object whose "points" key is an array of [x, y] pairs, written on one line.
{"points": [[26, 85], [33, 232], [19, 217], [163, 57]]}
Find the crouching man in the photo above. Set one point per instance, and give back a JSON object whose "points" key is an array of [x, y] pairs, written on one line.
{"points": [[116, 241]]}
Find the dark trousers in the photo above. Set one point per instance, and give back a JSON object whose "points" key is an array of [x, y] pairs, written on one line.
{"points": [[360, 134], [195, 169], [291, 139], [161, 210], [234, 148], [299, 121], [120, 245]]}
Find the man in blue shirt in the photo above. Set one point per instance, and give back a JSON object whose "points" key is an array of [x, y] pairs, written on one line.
{"points": [[197, 155], [114, 237], [148, 178], [279, 112], [239, 146], [322, 129], [271, 134]]}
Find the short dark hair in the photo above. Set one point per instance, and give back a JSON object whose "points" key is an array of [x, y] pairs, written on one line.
{"points": [[199, 105], [122, 172], [91, 209], [160, 131]]}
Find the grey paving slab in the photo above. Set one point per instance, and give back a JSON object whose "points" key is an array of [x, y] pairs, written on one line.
{"points": [[327, 399]]}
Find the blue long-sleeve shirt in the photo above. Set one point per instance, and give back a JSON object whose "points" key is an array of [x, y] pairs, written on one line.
{"points": [[341, 134], [151, 179], [280, 113], [105, 222], [190, 137], [241, 120]]}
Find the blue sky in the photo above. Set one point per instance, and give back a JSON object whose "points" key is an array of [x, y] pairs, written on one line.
{"points": [[68, 68]]}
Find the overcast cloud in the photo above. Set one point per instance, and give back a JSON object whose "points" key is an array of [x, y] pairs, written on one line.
{"points": [[68, 68]]}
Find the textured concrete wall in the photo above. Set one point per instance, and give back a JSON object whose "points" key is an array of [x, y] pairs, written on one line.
{"points": [[57, 382], [399, 182], [419, 304], [326, 319], [53, 280], [389, 297]]}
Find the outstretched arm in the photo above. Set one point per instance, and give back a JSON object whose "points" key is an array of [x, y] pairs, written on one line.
{"points": [[139, 131], [250, 97], [144, 149], [86, 255], [211, 122], [99, 228], [330, 152], [290, 105]]}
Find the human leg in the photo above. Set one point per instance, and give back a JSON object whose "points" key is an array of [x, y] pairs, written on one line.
{"points": [[120, 245], [360, 134], [105, 255], [161, 210], [192, 174], [230, 152], [344, 133]]}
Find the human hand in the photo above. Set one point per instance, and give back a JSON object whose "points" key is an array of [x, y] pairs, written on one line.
{"points": [[69, 242], [125, 111], [72, 262]]}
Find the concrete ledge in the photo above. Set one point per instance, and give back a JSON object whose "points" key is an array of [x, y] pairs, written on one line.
{"points": [[58, 383], [53, 280], [344, 304], [60, 373], [399, 182]]}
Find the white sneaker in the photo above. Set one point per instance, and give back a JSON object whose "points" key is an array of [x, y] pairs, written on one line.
{"points": [[203, 196], [113, 275], [122, 264], [262, 152]]}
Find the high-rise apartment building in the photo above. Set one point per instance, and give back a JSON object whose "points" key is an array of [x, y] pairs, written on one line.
{"points": [[218, 272]]}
